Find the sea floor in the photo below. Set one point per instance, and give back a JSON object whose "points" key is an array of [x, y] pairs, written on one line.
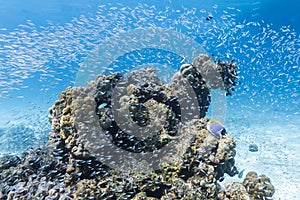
{"points": [[278, 155], [277, 136]]}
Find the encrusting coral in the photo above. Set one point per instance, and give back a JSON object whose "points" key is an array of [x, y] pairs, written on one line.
{"points": [[137, 114]]}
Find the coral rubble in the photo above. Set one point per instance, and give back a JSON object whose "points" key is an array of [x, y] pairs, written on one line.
{"points": [[133, 137]]}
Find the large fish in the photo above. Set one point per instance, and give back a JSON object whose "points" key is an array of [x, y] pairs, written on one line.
{"points": [[216, 128]]}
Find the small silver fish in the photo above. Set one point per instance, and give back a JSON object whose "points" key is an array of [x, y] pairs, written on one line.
{"points": [[240, 175], [102, 106]]}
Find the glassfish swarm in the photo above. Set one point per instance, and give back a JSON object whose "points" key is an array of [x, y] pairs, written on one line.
{"points": [[216, 128]]}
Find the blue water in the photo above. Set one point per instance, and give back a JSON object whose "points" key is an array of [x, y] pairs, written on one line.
{"points": [[44, 45]]}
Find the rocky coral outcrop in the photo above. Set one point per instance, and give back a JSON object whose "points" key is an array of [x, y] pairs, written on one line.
{"points": [[133, 137], [258, 187]]}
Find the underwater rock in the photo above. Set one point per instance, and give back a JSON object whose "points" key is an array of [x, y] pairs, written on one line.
{"points": [[234, 191], [136, 114], [253, 148], [254, 187], [39, 188], [217, 74], [258, 187], [191, 89]]}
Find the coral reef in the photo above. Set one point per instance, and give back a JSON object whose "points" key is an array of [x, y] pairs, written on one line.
{"points": [[133, 137], [217, 75], [258, 187]]}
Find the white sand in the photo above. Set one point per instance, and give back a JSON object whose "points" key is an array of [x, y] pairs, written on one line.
{"points": [[278, 156]]}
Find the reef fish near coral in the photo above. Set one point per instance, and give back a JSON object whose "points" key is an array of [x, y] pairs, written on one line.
{"points": [[216, 128]]}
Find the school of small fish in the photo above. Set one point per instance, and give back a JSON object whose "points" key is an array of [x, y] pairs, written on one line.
{"points": [[55, 52]]}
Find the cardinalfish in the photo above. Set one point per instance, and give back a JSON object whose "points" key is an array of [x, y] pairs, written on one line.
{"points": [[216, 128]]}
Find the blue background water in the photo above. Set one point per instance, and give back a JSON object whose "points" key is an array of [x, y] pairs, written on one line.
{"points": [[16, 12], [43, 44]]}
